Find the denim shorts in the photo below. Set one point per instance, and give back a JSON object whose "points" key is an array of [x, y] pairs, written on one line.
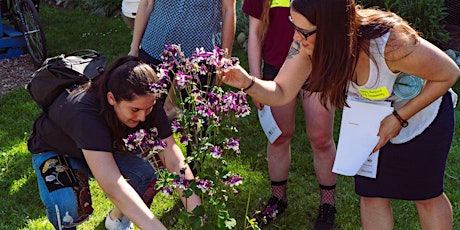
{"points": [[64, 190]]}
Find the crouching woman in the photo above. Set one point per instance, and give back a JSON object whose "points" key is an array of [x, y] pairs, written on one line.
{"points": [[81, 136]]}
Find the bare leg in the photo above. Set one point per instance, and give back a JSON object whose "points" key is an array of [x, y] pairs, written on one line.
{"points": [[279, 153], [435, 213], [376, 212], [279, 160], [320, 127]]}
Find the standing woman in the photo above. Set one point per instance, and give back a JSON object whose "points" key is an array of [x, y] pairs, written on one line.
{"points": [[81, 136], [270, 36], [191, 24], [340, 49]]}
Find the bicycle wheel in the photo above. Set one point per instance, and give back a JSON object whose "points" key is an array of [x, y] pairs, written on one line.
{"points": [[33, 31]]}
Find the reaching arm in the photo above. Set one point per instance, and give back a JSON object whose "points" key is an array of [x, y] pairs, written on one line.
{"points": [[107, 175], [426, 61], [432, 64], [228, 24], [286, 85], [144, 10], [174, 161]]}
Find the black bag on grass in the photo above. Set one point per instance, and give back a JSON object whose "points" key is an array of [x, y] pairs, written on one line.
{"points": [[64, 71]]}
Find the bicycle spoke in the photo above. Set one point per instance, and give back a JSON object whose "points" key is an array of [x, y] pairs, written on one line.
{"points": [[33, 34]]}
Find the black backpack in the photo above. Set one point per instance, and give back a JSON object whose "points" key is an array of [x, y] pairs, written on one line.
{"points": [[64, 71]]}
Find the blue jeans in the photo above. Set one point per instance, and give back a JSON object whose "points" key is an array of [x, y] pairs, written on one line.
{"points": [[64, 190]]}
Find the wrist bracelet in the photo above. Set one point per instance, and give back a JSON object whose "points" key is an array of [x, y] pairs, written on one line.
{"points": [[253, 80], [404, 123]]}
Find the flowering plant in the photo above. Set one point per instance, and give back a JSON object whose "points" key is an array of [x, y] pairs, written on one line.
{"points": [[206, 126]]}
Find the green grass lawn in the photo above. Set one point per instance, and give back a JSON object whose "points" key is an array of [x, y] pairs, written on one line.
{"points": [[69, 30]]}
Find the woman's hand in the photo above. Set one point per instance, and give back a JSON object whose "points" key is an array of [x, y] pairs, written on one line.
{"points": [[134, 52], [237, 77], [389, 128], [174, 161], [259, 105]]}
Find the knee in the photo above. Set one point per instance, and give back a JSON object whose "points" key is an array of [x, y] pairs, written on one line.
{"points": [[321, 141], [140, 176], [366, 201], [425, 203], [374, 202], [283, 139]]}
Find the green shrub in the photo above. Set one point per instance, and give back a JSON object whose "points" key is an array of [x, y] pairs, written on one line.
{"points": [[426, 16]]}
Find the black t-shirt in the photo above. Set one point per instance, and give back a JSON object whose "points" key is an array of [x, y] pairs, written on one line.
{"points": [[73, 122]]}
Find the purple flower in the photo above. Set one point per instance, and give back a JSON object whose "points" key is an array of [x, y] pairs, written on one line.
{"points": [[154, 131], [204, 185], [181, 183], [216, 152], [138, 139], [271, 211], [170, 52], [145, 141], [161, 85], [213, 98], [158, 145], [176, 127], [181, 80], [233, 180], [232, 144], [168, 191], [184, 139], [203, 69]]}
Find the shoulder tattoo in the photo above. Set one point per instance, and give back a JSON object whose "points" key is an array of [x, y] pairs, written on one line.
{"points": [[295, 49]]}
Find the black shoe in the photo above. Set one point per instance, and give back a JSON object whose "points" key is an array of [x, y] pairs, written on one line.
{"points": [[326, 217], [274, 207]]}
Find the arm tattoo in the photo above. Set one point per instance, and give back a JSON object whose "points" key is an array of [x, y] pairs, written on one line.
{"points": [[295, 49]]}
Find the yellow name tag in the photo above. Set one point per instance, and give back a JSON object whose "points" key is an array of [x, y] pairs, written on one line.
{"points": [[374, 94], [280, 3]]}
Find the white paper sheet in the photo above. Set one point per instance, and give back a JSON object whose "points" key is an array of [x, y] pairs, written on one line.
{"points": [[268, 123], [369, 167], [358, 136]]}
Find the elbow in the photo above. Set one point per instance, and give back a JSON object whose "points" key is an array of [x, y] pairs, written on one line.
{"points": [[454, 77]]}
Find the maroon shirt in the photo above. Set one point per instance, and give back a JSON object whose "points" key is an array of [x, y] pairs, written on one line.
{"points": [[278, 37]]}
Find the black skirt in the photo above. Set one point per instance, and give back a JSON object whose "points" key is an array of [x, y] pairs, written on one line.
{"points": [[413, 170]]}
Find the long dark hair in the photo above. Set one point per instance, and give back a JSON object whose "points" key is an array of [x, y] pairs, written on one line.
{"points": [[126, 78], [339, 39]]}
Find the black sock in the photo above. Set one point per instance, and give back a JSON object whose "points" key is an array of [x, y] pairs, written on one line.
{"points": [[279, 189], [327, 194]]}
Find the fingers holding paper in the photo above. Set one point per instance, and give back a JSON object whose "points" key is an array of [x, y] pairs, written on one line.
{"points": [[259, 105], [389, 128]]}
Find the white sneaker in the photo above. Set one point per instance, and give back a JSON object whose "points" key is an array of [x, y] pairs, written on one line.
{"points": [[117, 224]]}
